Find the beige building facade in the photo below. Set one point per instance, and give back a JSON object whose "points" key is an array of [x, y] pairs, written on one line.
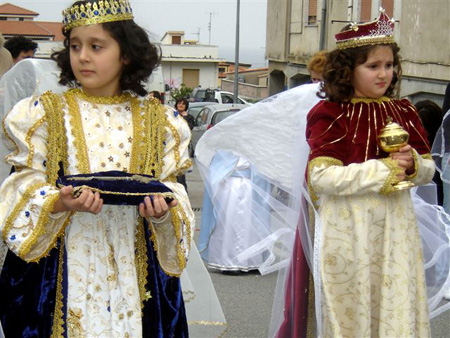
{"points": [[296, 29]]}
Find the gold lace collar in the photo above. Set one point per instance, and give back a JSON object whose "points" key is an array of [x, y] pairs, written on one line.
{"points": [[369, 100], [124, 97]]}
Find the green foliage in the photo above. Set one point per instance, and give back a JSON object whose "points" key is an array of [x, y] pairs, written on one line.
{"points": [[182, 92]]}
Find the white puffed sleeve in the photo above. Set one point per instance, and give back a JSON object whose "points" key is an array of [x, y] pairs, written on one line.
{"points": [[26, 198]]}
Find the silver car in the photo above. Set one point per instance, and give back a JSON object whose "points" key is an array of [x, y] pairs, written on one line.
{"points": [[196, 107], [209, 116]]}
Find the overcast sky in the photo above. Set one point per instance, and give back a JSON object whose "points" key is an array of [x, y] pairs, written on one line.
{"points": [[159, 16]]}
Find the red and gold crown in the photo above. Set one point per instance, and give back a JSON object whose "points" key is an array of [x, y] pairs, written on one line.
{"points": [[96, 12], [377, 32]]}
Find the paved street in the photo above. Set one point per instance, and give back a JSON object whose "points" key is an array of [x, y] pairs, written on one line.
{"points": [[246, 299]]}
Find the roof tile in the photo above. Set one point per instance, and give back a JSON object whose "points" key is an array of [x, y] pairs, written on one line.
{"points": [[8, 8]]}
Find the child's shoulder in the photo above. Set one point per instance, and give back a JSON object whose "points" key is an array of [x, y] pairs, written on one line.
{"points": [[324, 108], [27, 110], [404, 105]]}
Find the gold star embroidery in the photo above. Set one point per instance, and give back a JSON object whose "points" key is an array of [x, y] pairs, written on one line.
{"points": [[130, 139], [103, 164], [120, 128], [124, 169], [118, 165], [97, 125], [127, 154], [121, 145], [111, 159], [102, 144], [108, 113], [128, 108]]}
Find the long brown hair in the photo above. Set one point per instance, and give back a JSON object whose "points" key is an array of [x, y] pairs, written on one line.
{"points": [[340, 67], [134, 45]]}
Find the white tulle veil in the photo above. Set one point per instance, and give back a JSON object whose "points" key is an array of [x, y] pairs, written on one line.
{"points": [[271, 134]]}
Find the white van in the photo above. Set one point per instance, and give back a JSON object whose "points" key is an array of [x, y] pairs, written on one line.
{"points": [[156, 82]]}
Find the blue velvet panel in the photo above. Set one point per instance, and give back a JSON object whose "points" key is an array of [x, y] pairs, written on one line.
{"points": [[164, 313], [28, 290], [27, 294]]}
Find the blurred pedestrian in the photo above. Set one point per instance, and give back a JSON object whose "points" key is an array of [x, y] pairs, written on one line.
{"points": [[21, 48], [156, 95], [6, 60], [315, 66], [431, 116], [446, 103], [181, 107]]}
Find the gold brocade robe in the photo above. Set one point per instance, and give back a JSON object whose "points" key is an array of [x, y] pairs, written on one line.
{"points": [[106, 253], [370, 260]]}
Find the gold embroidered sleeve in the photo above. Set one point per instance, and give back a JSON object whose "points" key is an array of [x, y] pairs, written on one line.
{"points": [[26, 224], [176, 155], [172, 237], [329, 177]]}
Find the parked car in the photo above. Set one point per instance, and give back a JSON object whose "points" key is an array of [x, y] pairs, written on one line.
{"points": [[196, 107], [209, 116], [213, 95]]}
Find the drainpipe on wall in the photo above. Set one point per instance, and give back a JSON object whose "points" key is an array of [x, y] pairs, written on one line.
{"points": [[236, 55], [323, 25]]}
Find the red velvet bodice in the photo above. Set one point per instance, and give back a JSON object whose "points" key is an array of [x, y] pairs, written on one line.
{"points": [[348, 131]]}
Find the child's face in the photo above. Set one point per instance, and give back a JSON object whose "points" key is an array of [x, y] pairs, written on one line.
{"points": [[316, 76], [96, 60], [372, 78]]}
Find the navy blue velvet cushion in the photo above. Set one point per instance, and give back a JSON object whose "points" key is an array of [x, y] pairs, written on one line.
{"points": [[118, 187]]}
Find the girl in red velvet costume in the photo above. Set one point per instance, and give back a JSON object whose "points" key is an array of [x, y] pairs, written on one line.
{"points": [[368, 262], [371, 278]]}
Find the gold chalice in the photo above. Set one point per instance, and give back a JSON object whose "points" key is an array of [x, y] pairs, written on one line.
{"points": [[391, 138]]}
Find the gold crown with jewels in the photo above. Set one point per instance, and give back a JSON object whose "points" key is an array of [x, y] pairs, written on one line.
{"points": [[91, 13], [379, 31]]}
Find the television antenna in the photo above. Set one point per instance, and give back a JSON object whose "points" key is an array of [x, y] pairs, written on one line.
{"points": [[211, 14], [198, 34]]}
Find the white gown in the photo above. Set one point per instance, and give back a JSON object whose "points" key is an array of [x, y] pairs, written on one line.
{"points": [[104, 281], [229, 228], [34, 77]]}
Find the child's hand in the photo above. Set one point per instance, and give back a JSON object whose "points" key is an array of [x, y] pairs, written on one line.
{"points": [[88, 201], [156, 208], [405, 158]]}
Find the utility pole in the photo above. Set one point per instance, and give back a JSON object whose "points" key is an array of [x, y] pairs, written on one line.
{"points": [[236, 53]]}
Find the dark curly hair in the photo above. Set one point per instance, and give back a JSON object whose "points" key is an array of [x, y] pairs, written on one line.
{"points": [[340, 67], [18, 44], [134, 45], [182, 99]]}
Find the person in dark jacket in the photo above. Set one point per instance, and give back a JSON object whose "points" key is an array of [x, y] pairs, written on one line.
{"points": [[431, 116]]}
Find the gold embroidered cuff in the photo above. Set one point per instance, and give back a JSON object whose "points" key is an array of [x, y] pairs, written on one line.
{"points": [[39, 230], [427, 157], [317, 162], [392, 179]]}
